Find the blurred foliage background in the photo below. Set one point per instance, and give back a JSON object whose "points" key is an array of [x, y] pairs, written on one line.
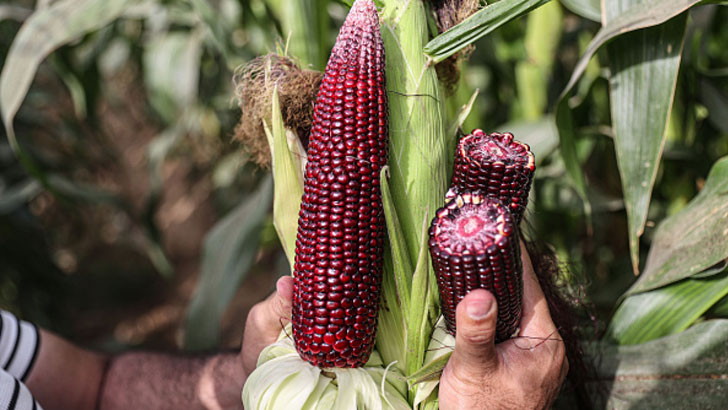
{"points": [[130, 216]]}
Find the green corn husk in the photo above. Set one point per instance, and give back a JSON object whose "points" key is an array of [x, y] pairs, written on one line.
{"points": [[413, 186]]}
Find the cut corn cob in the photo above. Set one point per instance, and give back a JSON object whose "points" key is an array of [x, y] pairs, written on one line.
{"points": [[495, 165], [339, 246], [474, 244]]}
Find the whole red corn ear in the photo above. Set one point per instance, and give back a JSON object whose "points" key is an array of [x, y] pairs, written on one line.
{"points": [[338, 264], [495, 165], [474, 244]]}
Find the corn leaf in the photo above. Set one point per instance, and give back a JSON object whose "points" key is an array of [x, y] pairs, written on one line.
{"points": [[401, 264], [589, 9], [288, 161], [649, 13], [418, 144], [229, 252], [720, 309], [646, 14], [664, 311], [438, 354], [644, 66], [418, 315], [686, 370], [396, 284], [692, 240], [478, 25], [43, 32]]}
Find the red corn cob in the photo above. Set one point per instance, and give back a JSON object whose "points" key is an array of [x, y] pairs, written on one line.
{"points": [[338, 265], [495, 165], [474, 244]]}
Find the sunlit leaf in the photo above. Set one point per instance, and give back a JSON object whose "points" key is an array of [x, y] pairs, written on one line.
{"points": [[644, 66], [667, 310], [478, 25], [229, 251], [692, 240]]}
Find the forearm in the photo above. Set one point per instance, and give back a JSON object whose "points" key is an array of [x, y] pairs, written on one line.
{"points": [[65, 376], [161, 381]]}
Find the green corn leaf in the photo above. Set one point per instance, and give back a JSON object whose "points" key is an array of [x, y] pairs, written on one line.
{"points": [[418, 315], [288, 160], [646, 14], [42, 33], [396, 284], [229, 252], [438, 353], [692, 240], [720, 309], [667, 310], [402, 265], [644, 66], [478, 25], [682, 371], [418, 143], [589, 9], [649, 13]]}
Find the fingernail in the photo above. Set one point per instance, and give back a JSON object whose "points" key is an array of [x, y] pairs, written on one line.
{"points": [[479, 309]]}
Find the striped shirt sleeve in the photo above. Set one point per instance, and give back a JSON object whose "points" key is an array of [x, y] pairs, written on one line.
{"points": [[14, 395], [19, 342]]}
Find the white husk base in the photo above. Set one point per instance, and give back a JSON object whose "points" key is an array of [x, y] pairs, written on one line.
{"points": [[282, 380]]}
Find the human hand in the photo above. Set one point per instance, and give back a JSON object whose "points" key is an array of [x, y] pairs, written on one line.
{"points": [[265, 321], [521, 373]]}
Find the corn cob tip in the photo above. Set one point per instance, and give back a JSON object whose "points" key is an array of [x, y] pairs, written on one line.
{"points": [[496, 165], [469, 224]]}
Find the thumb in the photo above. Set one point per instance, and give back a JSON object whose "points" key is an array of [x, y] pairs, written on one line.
{"points": [[475, 352], [277, 307], [265, 321]]}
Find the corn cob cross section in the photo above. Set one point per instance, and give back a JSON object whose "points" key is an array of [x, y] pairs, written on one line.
{"points": [[495, 165], [339, 245], [474, 244]]}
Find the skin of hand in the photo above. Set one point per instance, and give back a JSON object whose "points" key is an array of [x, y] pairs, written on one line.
{"points": [[520, 373], [265, 322]]}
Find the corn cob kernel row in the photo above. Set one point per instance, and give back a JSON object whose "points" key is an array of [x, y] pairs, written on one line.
{"points": [[496, 165], [474, 244], [339, 246]]}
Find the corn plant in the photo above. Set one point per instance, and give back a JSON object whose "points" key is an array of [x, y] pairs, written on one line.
{"points": [[622, 102]]}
